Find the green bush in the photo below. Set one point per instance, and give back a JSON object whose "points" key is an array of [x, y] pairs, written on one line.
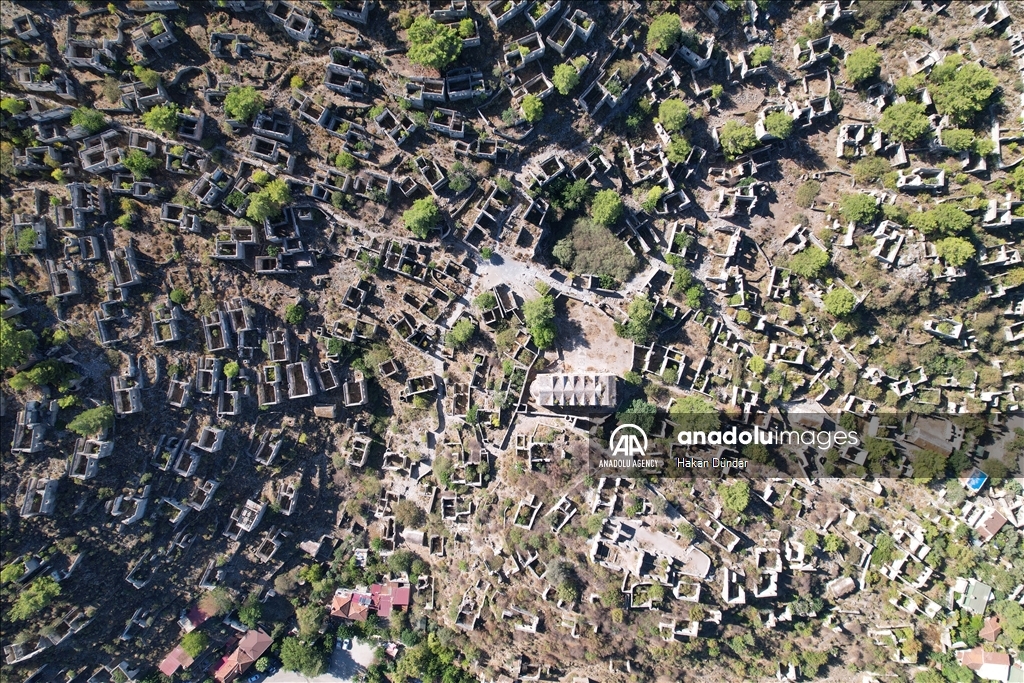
{"points": [[88, 118], [15, 345], [194, 643], [737, 138], [302, 657], [93, 421], [13, 106], [956, 251], [779, 124], [839, 302], [533, 108], [862, 64], [346, 161], [161, 119], [149, 78], [809, 263], [139, 164], [295, 314], [460, 334], [673, 115], [606, 208], [859, 208], [904, 122], [539, 314], [664, 32], [958, 139], [807, 193], [944, 219], [432, 44], [243, 104], [565, 78], [961, 90], [268, 202], [678, 150], [762, 54], [870, 169], [179, 296], [37, 597], [231, 369], [422, 217]]}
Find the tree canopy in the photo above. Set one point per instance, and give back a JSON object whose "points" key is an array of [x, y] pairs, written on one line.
{"points": [[243, 103], [862, 64], [944, 219], [904, 122], [194, 642], [91, 120], [961, 90], [809, 263], [93, 421], [268, 202], [840, 302], [779, 124], [735, 497], [540, 315], [673, 114], [161, 119], [422, 217], [956, 251], [433, 44], [565, 78], [460, 333], [695, 414], [639, 324], [301, 657], [859, 208], [737, 138], [664, 32], [139, 164], [592, 248], [15, 345], [606, 208], [533, 108]]}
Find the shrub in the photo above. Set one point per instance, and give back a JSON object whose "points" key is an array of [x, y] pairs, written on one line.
{"points": [[422, 217], [779, 124], [138, 163], [862, 64], [533, 108], [809, 263], [870, 169], [565, 78], [540, 315], [958, 139], [639, 324], [944, 219], [26, 240], [956, 251], [88, 118], [859, 208], [179, 296], [961, 91], [807, 193], [467, 28], [12, 105], [839, 302], [654, 195], [346, 161], [243, 104], [93, 421], [461, 333], [459, 179], [268, 202], [904, 122], [762, 54], [592, 248], [149, 78], [736, 497], [37, 597], [15, 345], [673, 114], [485, 301], [606, 208], [194, 643], [161, 119], [716, 90], [294, 314], [301, 657], [432, 44], [297, 81], [679, 150], [737, 138], [231, 369], [664, 32]]}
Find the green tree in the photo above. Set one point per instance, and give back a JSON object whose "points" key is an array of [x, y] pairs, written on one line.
{"points": [[736, 496], [243, 103], [737, 138], [295, 314], [408, 514], [929, 464], [944, 219], [956, 251], [301, 657], [664, 32], [432, 44], [959, 139], [678, 150], [194, 643], [13, 106], [606, 208], [695, 414], [834, 543], [262, 664], [859, 208], [27, 240], [904, 122], [39, 375], [757, 365], [565, 78], [15, 345], [533, 108], [138, 163], [640, 321], [540, 315], [779, 124], [963, 93], [422, 217], [93, 421], [88, 118], [37, 597], [268, 202], [231, 369], [807, 193], [461, 333], [310, 618], [862, 64], [840, 302], [162, 119], [346, 161], [485, 301], [149, 78], [762, 54], [673, 114], [251, 611], [575, 194], [809, 263], [178, 296]]}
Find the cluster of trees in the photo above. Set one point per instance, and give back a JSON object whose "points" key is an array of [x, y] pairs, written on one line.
{"points": [[736, 138], [639, 326], [243, 103], [269, 200], [566, 76], [809, 263], [15, 345], [664, 32], [93, 421], [37, 597], [592, 248]]}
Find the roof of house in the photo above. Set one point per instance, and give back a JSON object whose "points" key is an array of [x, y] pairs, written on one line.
{"points": [[991, 630], [388, 596], [992, 666], [250, 647], [176, 659], [977, 597], [349, 604], [381, 598], [990, 526]]}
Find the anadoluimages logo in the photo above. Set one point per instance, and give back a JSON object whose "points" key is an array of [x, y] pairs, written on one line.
{"points": [[626, 444]]}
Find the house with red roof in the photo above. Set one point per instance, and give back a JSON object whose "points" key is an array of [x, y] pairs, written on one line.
{"points": [[250, 647], [380, 598], [176, 659]]}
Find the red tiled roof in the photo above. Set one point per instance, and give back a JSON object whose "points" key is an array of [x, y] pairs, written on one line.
{"points": [[250, 648], [176, 659]]}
